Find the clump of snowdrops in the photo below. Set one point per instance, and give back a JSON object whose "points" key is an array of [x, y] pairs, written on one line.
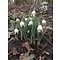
{"points": [[30, 27]]}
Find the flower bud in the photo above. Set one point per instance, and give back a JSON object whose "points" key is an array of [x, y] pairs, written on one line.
{"points": [[39, 28]]}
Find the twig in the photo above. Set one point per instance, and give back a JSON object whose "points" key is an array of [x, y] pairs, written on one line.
{"points": [[11, 40], [46, 52], [10, 52]]}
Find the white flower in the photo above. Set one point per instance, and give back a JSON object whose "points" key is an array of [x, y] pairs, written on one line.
{"points": [[39, 28], [26, 19], [17, 20], [43, 22], [21, 23], [16, 30], [30, 23], [33, 13], [28, 31]]}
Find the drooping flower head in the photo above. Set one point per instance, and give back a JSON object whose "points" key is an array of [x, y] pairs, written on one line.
{"points": [[28, 31], [30, 23], [21, 24], [39, 28], [43, 22], [33, 13], [26, 19], [16, 30]]}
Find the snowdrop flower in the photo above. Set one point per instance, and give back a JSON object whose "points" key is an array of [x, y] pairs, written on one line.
{"points": [[43, 22], [17, 20], [16, 30], [30, 23], [21, 23], [33, 13], [26, 19], [28, 31], [39, 28]]}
